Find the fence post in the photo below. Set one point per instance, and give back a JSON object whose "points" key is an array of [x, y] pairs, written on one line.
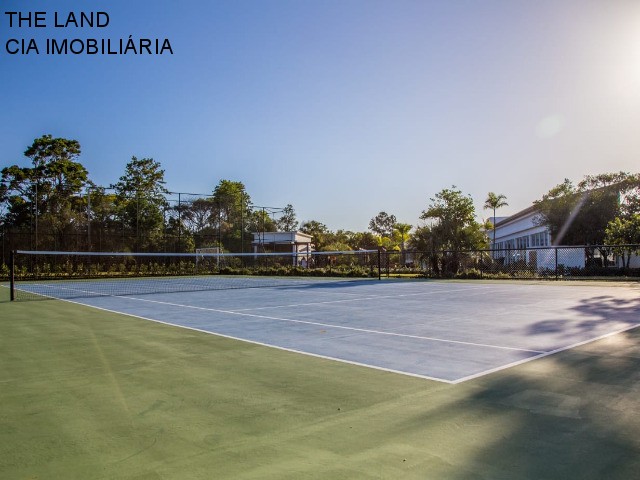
{"points": [[379, 263], [387, 262], [12, 275], [556, 252]]}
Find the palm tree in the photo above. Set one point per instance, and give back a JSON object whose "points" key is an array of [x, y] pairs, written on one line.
{"points": [[495, 201], [402, 229]]}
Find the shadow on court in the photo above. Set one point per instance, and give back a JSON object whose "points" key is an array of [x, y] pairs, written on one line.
{"points": [[573, 415], [590, 316]]}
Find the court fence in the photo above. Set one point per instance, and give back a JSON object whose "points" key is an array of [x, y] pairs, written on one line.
{"points": [[101, 219], [553, 263], [556, 263]]}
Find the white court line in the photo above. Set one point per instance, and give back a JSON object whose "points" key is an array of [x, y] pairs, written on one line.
{"points": [[374, 297], [544, 354], [344, 300], [264, 344], [321, 324], [329, 325], [367, 297]]}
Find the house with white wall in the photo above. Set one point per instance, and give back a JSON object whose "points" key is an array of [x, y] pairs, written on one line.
{"points": [[297, 243], [520, 238]]}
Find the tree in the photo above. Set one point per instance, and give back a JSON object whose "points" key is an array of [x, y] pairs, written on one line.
{"points": [[104, 222], [401, 233], [453, 226], [382, 224], [260, 221], [579, 214], [335, 245], [318, 231], [453, 216], [18, 193], [177, 238], [199, 214], [427, 242], [495, 201], [622, 233], [362, 240], [141, 201], [385, 243], [233, 214], [625, 184], [287, 221], [47, 195]]}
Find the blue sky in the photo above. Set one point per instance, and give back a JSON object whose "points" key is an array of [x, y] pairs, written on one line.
{"points": [[341, 108]]}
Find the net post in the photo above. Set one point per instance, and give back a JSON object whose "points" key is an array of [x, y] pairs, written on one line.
{"points": [[12, 275]]}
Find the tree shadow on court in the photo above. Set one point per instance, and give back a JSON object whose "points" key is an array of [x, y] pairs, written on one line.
{"points": [[572, 415], [591, 315]]}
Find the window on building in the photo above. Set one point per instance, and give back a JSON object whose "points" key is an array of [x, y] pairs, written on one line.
{"points": [[522, 242], [540, 239]]}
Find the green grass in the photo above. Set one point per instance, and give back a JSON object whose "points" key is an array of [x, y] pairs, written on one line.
{"points": [[91, 395]]}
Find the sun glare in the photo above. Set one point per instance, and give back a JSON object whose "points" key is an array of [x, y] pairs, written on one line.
{"points": [[625, 73]]}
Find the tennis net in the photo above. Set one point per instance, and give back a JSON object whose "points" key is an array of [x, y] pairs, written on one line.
{"points": [[66, 275]]}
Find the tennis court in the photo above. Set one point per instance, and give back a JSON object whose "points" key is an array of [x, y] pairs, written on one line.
{"points": [[87, 393], [445, 331]]}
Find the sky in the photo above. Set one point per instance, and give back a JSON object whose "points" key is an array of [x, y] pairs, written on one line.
{"points": [[342, 108]]}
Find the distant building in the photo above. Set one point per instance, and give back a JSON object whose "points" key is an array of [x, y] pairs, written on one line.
{"points": [[516, 239], [520, 231], [519, 238], [297, 243]]}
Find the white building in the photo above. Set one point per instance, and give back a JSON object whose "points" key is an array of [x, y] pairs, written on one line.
{"points": [[520, 231], [297, 243], [519, 238]]}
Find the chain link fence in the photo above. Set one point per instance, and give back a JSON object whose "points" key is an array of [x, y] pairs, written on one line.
{"points": [[552, 263], [559, 262], [99, 221]]}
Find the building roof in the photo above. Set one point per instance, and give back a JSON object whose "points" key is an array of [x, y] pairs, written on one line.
{"points": [[281, 237], [517, 216]]}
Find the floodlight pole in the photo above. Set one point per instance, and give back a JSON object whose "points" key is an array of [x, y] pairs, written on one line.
{"points": [[89, 218], [137, 220], [36, 212], [242, 222], [179, 222]]}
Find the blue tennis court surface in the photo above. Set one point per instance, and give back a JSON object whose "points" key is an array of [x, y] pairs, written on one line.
{"points": [[446, 331]]}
